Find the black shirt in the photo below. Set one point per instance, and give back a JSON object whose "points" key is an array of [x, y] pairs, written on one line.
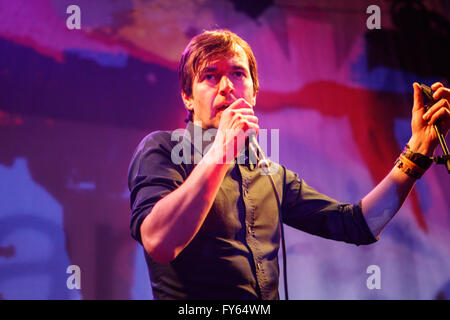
{"points": [[235, 253]]}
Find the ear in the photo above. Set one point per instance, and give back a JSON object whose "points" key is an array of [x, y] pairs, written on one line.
{"points": [[188, 101]]}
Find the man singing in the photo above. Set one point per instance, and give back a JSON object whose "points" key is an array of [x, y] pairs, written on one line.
{"points": [[211, 230]]}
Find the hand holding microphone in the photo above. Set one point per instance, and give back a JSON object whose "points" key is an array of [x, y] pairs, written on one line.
{"points": [[431, 101], [240, 115], [236, 123]]}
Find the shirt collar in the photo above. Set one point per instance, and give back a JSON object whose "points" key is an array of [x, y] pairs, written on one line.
{"points": [[201, 139]]}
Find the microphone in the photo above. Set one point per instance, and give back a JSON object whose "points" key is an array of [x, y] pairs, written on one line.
{"points": [[255, 148], [253, 145]]}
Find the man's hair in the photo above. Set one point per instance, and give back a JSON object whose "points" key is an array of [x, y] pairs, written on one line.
{"points": [[207, 46]]}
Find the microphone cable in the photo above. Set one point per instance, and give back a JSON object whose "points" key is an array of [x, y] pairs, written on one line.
{"points": [[264, 164]]}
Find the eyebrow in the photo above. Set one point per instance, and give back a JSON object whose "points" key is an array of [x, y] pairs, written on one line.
{"points": [[213, 69]]}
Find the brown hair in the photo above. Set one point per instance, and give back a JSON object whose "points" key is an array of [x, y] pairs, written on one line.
{"points": [[208, 45]]}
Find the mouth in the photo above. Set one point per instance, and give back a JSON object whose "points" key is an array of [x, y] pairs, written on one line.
{"points": [[223, 107]]}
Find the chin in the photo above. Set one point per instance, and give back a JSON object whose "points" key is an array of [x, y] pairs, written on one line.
{"points": [[211, 123]]}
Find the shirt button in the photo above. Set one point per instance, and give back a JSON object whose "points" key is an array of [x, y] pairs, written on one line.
{"points": [[258, 266], [249, 229]]}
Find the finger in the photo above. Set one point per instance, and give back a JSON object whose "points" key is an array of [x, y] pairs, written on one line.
{"points": [[442, 119], [250, 127], [441, 92], [418, 99], [441, 114], [240, 103], [443, 103], [243, 111], [239, 119], [436, 85], [237, 114], [251, 118]]}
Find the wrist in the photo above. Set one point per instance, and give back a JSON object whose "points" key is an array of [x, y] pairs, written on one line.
{"points": [[414, 164], [417, 146], [216, 155]]}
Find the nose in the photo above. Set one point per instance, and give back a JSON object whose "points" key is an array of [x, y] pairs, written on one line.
{"points": [[225, 86]]}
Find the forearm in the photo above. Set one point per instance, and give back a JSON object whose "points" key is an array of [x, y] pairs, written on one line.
{"points": [[383, 202], [176, 219]]}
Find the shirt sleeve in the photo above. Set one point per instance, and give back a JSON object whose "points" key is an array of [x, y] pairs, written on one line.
{"points": [[151, 176], [308, 210]]}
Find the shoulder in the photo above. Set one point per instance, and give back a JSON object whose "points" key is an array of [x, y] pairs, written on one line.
{"points": [[155, 146], [153, 155], [156, 140]]}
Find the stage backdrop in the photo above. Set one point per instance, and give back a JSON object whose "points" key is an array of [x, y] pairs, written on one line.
{"points": [[77, 96]]}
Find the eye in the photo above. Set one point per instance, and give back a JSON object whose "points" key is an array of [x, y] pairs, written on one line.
{"points": [[209, 76], [239, 74]]}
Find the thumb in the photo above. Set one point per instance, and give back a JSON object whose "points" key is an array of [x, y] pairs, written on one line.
{"points": [[418, 98]]}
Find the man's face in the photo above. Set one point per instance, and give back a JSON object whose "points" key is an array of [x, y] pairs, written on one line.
{"points": [[219, 83]]}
